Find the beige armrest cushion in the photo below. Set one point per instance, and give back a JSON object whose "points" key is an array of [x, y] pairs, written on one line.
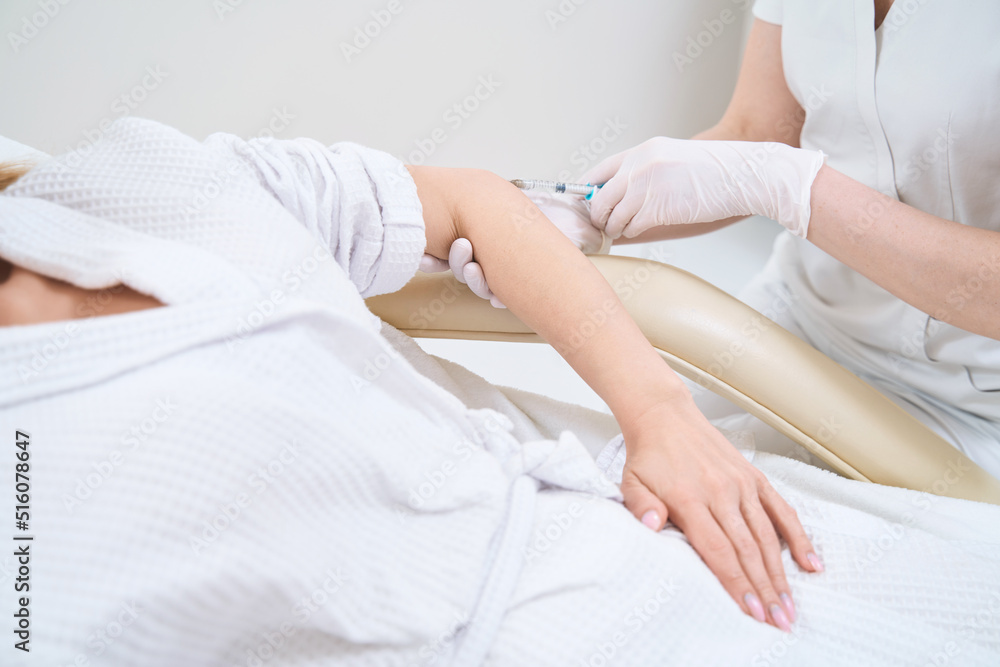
{"points": [[726, 346]]}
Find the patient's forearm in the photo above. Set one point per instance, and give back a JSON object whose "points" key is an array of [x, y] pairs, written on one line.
{"points": [[544, 280], [678, 466]]}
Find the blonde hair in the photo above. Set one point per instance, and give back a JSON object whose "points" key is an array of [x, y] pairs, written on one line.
{"points": [[11, 171]]}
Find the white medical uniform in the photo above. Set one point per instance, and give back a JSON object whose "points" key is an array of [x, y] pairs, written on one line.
{"points": [[913, 110]]}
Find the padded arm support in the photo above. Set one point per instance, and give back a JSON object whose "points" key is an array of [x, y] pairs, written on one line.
{"points": [[731, 349]]}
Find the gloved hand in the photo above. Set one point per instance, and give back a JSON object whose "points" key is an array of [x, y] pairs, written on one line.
{"points": [[570, 214], [666, 181]]}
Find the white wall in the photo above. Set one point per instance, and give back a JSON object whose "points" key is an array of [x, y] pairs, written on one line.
{"points": [[558, 84], [563, 72]]}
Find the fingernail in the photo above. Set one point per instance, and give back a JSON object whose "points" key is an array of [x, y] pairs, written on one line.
{"points": [[815, 562], [786, 600], [756, 608], [651, 519], [779, 618]]}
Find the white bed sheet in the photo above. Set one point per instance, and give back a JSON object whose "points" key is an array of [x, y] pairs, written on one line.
{"points": [[911, 578]]}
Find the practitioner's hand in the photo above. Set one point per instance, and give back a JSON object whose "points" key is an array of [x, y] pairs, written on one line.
{"points": [[679, 467], [466, 270], [666, 181], [571, 215]]}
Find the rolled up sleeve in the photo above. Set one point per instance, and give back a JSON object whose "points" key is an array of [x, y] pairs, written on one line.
{"points": [[360, 202]]}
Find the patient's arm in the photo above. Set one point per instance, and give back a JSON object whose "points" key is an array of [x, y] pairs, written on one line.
{"points": [[678, 464]]}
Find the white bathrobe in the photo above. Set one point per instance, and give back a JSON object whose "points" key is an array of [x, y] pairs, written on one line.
{"points": [[260, 473]]}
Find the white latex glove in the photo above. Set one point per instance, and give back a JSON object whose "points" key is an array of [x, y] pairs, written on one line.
{"points": [[666, 181], [466, 271], [569, 213]]}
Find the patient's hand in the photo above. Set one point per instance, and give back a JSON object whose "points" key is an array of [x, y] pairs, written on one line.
{"points": [[680, 467]]}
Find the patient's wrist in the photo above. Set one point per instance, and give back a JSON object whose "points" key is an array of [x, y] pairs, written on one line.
{"points": [[661, 406]]}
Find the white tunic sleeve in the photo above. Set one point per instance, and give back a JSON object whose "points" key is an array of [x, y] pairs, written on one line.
{"points": [[769, 10]]}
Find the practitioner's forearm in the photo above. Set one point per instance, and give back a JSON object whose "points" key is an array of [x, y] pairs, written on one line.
{"points": [[671, 232], [949, 270]]}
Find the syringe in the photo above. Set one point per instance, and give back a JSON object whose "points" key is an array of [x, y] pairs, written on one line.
{"points": [[584, 189]]}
